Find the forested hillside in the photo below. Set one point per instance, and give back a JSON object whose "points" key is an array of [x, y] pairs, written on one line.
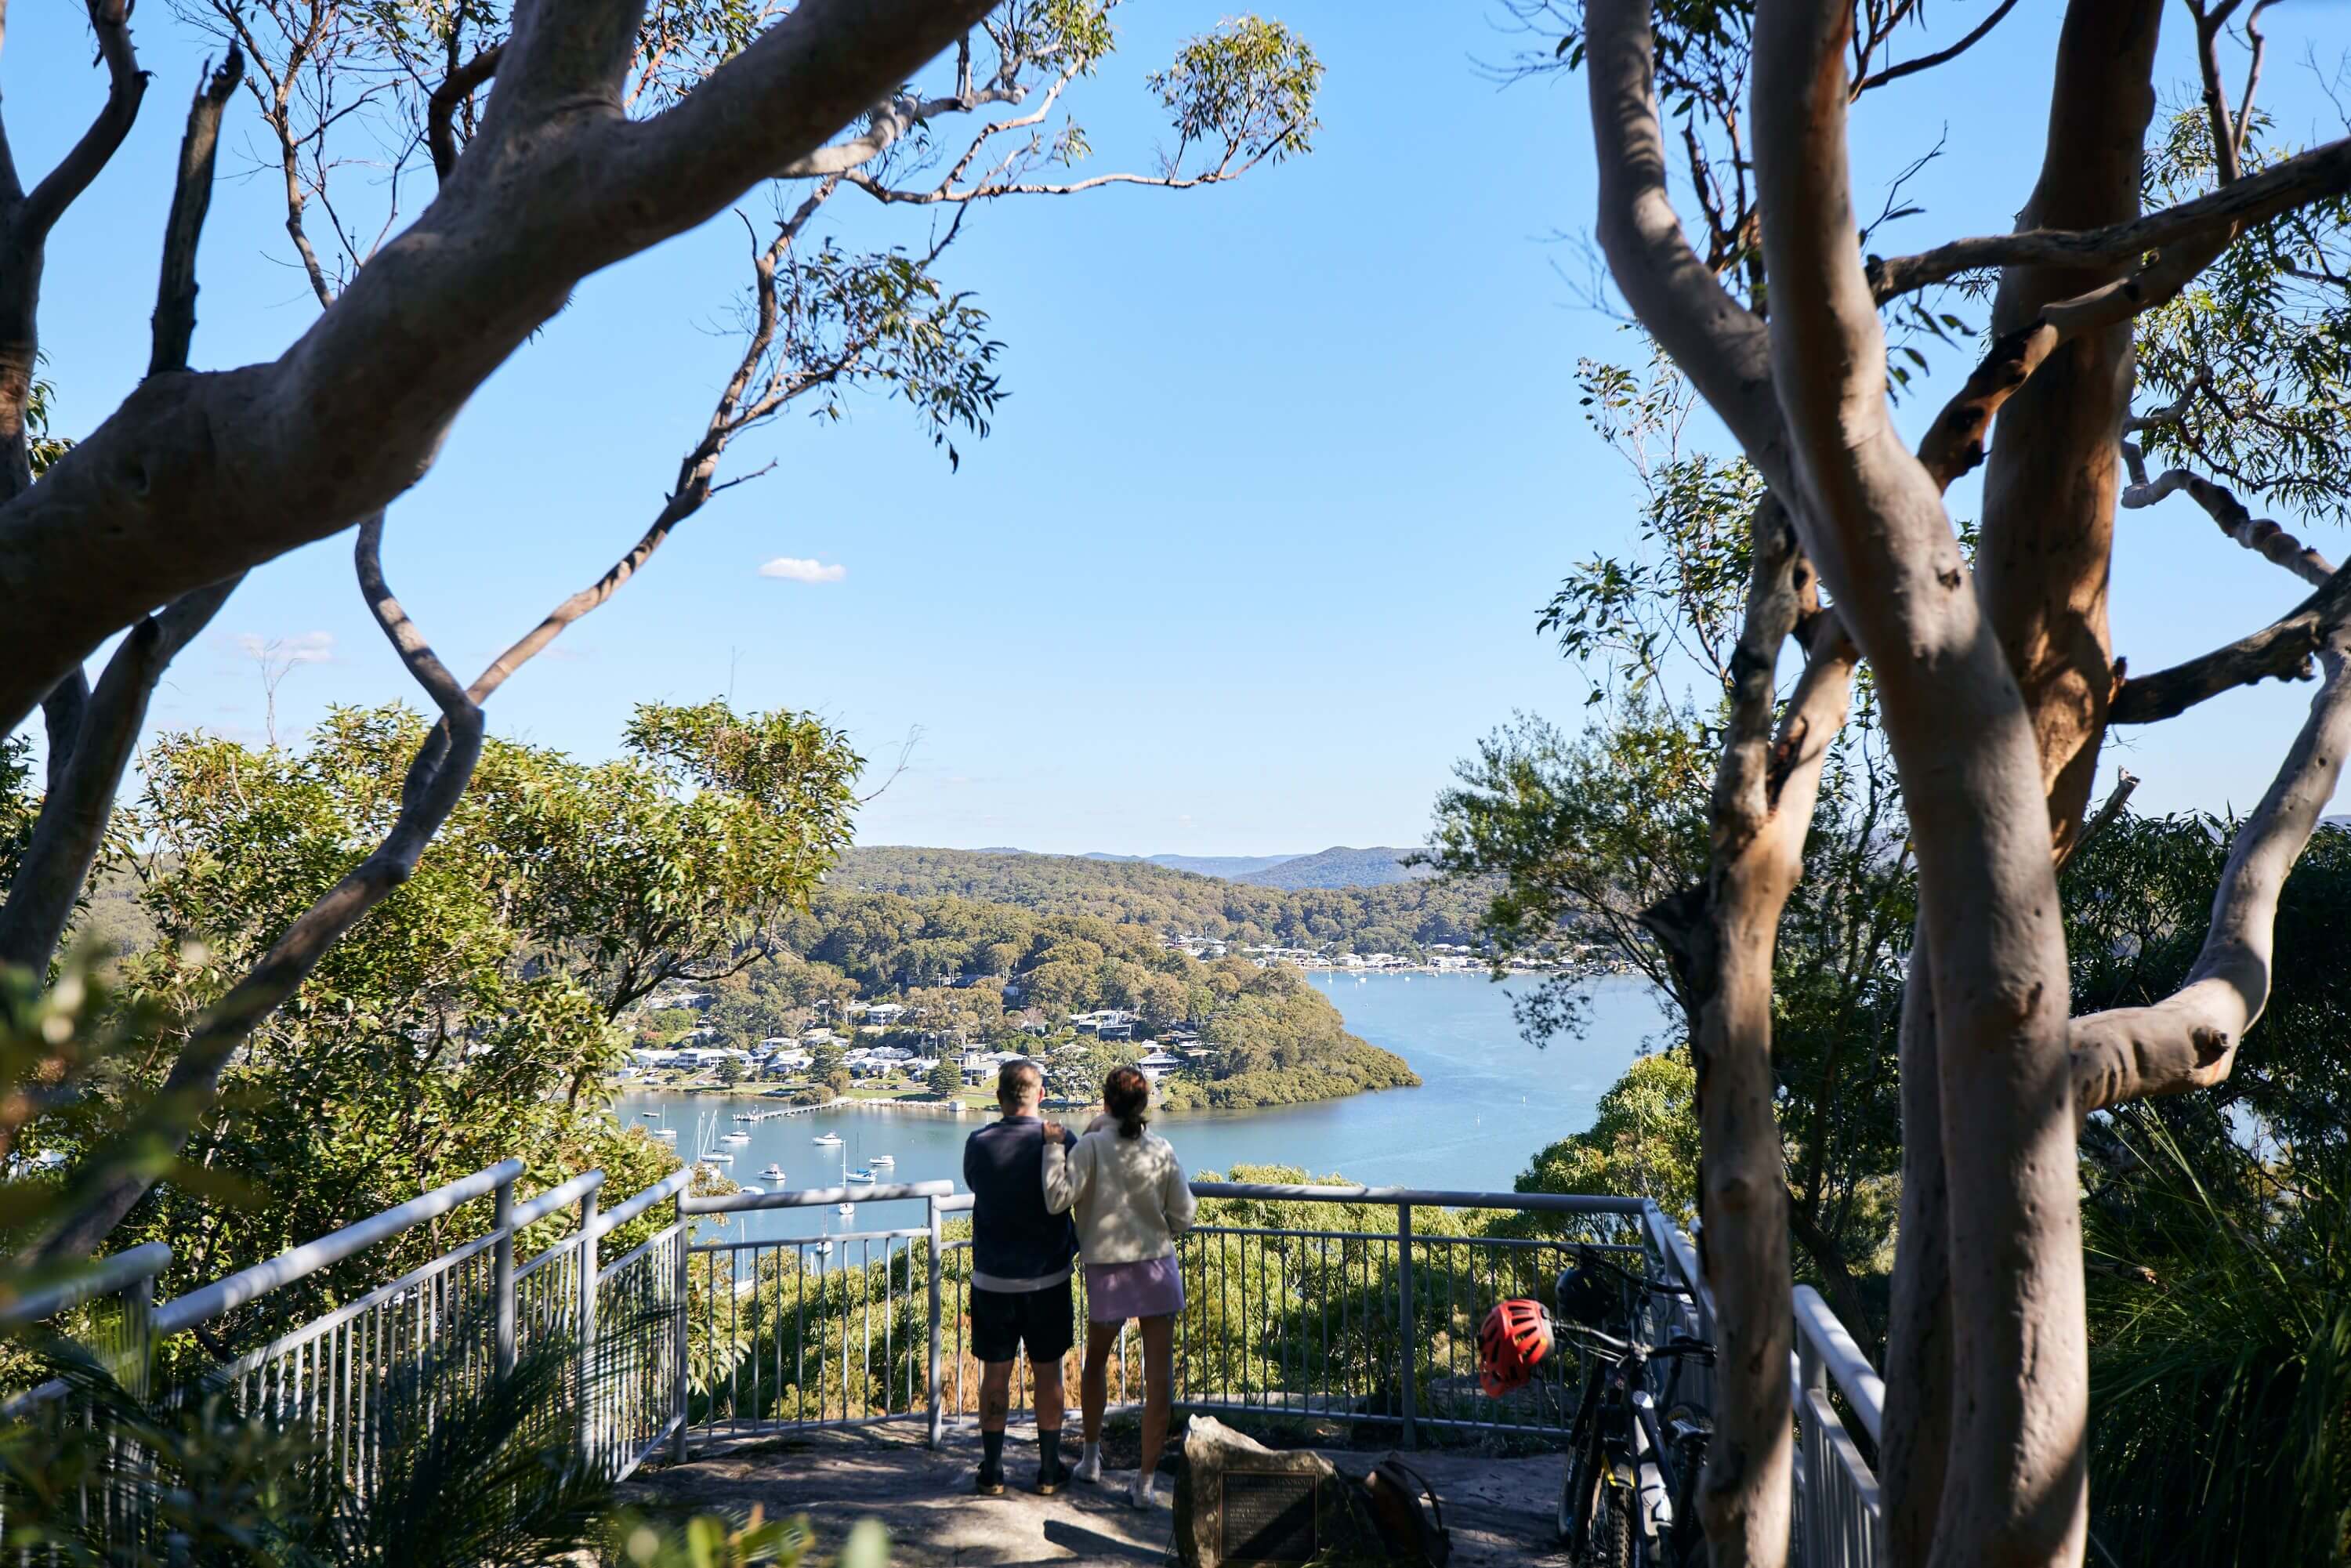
{"points": [[976, 972], [1402, 917]]}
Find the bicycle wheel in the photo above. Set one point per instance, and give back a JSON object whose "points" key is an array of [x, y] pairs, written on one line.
{"points": [[1615, 1540], [1598, 1533], [1579, 1499]]}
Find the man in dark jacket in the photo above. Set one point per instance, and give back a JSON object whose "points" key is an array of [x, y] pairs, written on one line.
{"points": [[1020, 1254]]}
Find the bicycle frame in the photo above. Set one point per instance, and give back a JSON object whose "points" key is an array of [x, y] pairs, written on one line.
{"points": [[1618, 1439]]}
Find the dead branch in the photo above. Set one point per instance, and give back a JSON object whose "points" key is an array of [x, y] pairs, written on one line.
{"points": [[192, 198]]}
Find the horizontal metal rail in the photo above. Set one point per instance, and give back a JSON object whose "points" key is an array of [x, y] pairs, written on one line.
{"points": [[670, 1185], [810, 1198], [1822, 1337], [103, 1277], [1416, 1198], [203, 1306], [533, 1210]]}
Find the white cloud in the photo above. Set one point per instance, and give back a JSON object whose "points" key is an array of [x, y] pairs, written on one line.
{"points": [[792, 568]]}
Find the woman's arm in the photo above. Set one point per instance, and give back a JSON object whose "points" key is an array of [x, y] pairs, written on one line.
{"points": [[1176, 1200], [1068, 1173]]}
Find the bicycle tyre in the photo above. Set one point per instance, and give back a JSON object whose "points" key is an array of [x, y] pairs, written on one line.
{"points": [[1606, 1539], [1616, 1540], [1578, 1485]]}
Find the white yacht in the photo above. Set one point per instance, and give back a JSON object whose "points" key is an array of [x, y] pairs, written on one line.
{"points": [[736, 1138], [881, 1162], [773, 1173], [829, 1140], [846, 1210], [719, 1157]]}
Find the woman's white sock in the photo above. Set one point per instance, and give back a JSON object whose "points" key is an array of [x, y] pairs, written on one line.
{"points": [[1090, 1463]]}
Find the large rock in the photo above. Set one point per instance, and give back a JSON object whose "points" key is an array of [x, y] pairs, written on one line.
{"points": [[1239, 1504]]}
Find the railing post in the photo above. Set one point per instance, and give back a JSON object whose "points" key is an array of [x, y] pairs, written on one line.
{"points": [[588, 1326], [137, 1357], [502, 1278], [680, 1388], [1406, 1337], [937, 1360]]}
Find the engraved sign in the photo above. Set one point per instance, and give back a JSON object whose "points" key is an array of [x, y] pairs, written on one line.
{"points": [[1268, 1516]]}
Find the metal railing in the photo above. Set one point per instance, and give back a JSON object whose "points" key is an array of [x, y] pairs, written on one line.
{"points": [[1353, 1305], [1840, 1521]]}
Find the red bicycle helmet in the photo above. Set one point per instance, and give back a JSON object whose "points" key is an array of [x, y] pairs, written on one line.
{"points": [[1515, 1338]]}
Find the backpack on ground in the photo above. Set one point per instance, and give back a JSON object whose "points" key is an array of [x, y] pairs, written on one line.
{"points": [[1412, 1529]]}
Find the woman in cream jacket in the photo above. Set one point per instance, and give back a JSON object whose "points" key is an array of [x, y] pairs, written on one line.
{"points": [[1132, 1199]]}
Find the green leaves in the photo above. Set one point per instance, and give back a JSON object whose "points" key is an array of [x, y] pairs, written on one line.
{"points": [[1247, 89], [1671, 606], [882, 323]]}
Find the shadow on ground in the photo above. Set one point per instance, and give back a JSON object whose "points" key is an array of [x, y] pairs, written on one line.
{"points": [[1500, 1509]]}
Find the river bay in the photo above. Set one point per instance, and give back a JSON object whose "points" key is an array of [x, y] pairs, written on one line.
{"points": [[1487, 1101]]}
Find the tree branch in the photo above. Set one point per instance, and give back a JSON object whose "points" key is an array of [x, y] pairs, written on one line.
{"points": [[192, 198], [1940, 57], [1720, 345], [86, 760], [2189, 1040], [126, 84], [2282, 650], [441, 110], [2300, 181], [74, 813], [195, 478]]}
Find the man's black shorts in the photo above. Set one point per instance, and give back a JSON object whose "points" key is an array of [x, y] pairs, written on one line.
{"points": [[1001, 1321]]}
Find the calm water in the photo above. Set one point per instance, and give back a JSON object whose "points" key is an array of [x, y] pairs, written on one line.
{"points": [[1486, 1102]]}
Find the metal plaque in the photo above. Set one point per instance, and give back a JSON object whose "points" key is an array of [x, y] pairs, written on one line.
{"points": [[1268, 1516]]}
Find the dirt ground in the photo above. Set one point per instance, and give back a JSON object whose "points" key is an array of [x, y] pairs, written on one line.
{"points": [[1500, 1509]]}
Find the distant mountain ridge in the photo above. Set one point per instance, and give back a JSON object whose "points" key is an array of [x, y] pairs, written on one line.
{"points": [[1338, 866], [1231, 868]]}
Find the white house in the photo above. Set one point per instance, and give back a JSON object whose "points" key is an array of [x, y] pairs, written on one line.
{"points": [[1159, 1064]]}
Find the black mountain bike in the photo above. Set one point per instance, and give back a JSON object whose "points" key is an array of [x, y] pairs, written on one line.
{"points": [[1629, 1497]]}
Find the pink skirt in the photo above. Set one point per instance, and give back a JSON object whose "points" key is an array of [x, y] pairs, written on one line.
{"points": [[1117, 1292]]}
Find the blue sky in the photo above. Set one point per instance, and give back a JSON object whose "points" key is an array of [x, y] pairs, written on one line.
{"points": [[1256, 548]]}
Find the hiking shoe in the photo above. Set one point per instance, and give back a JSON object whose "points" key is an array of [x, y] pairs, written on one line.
{"points": [[991, 1480], [1143, 1494], [1089, 1470], [1050, 1474]]}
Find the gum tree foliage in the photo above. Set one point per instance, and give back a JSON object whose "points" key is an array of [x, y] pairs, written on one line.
{"points": [[474, 1014], [1991, 667], [429, 152], [1601, 833]]}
